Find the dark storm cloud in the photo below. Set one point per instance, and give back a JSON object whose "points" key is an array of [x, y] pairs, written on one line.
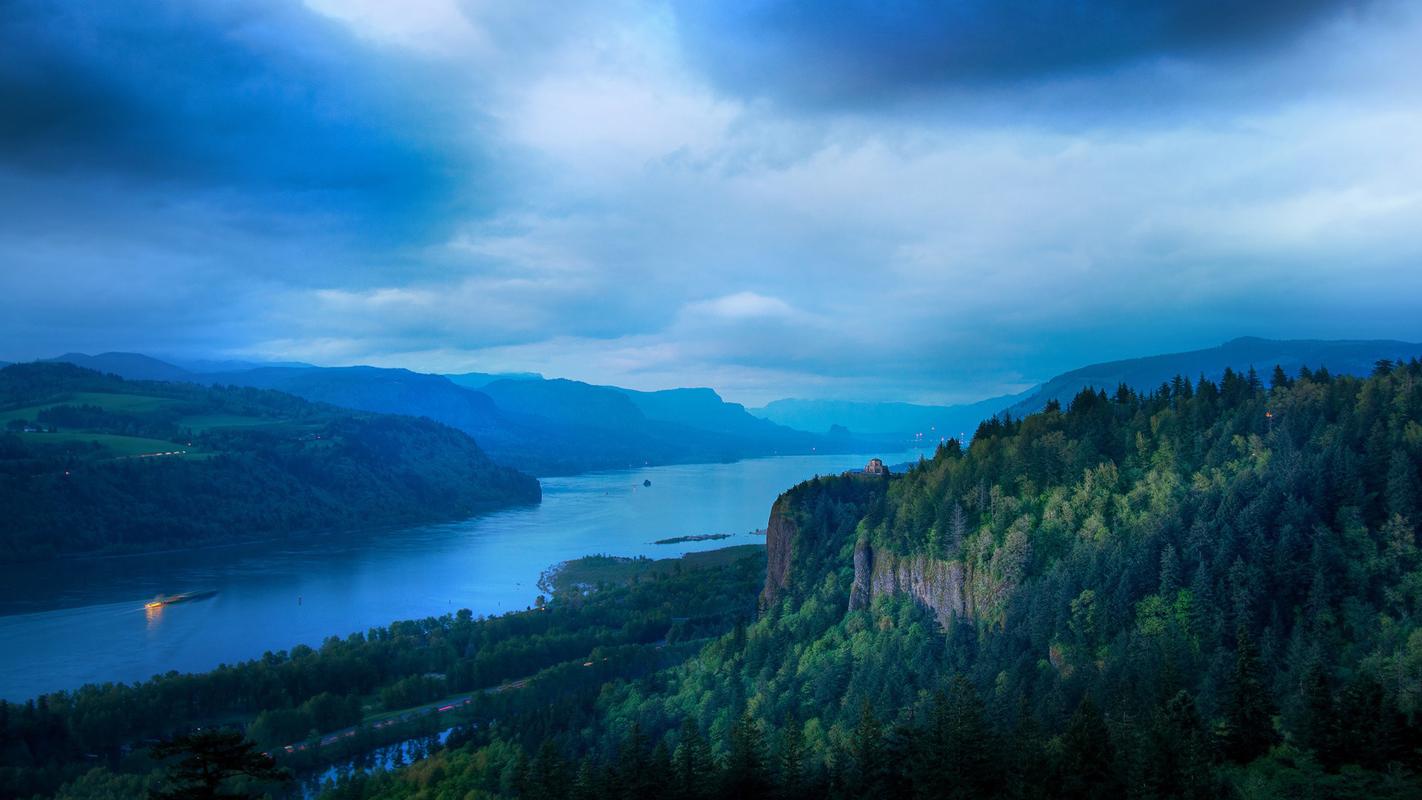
{"points": [[254, 98], [857, 51]]}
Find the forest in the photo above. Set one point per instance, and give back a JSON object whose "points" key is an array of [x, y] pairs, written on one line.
{"points": [[1207, 590], [565, 652], [94, 464]]}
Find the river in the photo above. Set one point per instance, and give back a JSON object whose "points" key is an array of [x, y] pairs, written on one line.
{"points": [[67, 623]]}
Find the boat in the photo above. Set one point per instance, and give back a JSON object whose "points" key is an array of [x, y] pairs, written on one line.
{"points": [[185, 597]]}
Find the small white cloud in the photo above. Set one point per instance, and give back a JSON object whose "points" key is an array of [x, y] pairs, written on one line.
{"points": [[741, 306]]}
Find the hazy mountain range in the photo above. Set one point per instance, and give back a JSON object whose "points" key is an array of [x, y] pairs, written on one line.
{"points": [[556, 426], [541, 426], [907, 419]]}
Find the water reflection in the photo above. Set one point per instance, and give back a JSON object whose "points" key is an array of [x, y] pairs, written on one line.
{"points": [[153, 613]]}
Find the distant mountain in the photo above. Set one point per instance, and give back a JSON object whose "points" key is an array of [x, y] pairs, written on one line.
{"points": [[132, 366], [704, 409], [899, 419], [478, 380], [567, 402], [675, 425], [545, 427], [884, 419], [389, 391], [1340, 357], [202, 365]]}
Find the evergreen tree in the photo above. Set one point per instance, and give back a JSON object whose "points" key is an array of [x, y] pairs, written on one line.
{"points": [[1178, 754], [790, 775], [1086, 764], [692, 766], [866, 775], [548, 777], [744, 774], [1318, 724], [1248, 730], [954, 758], [208, 760]]}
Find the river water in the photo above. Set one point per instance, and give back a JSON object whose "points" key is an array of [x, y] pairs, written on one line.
{"points": [[72, 622]]}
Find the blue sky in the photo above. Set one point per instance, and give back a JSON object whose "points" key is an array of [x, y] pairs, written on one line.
{"points": [[903, 200]]}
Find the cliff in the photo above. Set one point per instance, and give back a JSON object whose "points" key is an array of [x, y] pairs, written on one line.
{"points": [[780, 533], [935, 584], [942, 586]]}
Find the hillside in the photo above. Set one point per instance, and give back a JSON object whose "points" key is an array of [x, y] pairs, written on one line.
{"points": [[544, 427], [1204, 591], [1145, 374], [1207, 591], [885, 419], [1141, 374], [92, 463]]}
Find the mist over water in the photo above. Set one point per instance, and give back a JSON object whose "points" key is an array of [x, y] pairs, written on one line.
{"points": [[67, 623]]}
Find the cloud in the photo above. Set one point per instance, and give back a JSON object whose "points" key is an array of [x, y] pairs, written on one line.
{"points": [[598, 191], [862, 51], [742, 306], [259, 99]]}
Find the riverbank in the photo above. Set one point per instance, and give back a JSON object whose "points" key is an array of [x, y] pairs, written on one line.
{"points": [[580, 575]]}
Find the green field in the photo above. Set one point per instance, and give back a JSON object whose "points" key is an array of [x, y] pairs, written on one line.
{"points": [[591, 571], [118, 403]]}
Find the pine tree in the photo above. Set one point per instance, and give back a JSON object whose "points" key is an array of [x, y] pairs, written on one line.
{"points": [[1402, 486], [744, 773], [1280, 378], [633, 770], [1249, 711], [1317, 721], [790, 760], [209, 759], [1178, 754], [957, 531], [691, 763], [1086, 768], [1169, 572], [547, 774], [867, 769], [954, 757]]}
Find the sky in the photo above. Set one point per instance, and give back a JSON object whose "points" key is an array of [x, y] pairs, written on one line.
{"points": [[901, 200]]}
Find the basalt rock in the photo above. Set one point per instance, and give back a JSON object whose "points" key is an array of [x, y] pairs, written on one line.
{"points": [[935, 584], [780, 533]]}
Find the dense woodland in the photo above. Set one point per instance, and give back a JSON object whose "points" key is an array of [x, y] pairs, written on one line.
{"points": [[76, 475], [618, 631], [1208, 590]]}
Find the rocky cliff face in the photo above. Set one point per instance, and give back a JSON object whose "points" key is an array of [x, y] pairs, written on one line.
{"points": [[937, 585], [780, 533]]}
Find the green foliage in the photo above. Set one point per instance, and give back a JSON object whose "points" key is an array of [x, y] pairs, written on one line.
{"points": [[558, 659], [1207, 590], [120, 466], [205, 763], [1210, 590]]}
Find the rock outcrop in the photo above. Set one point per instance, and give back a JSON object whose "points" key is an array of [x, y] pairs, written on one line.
{"points": [[935, 584], [780, 533]]}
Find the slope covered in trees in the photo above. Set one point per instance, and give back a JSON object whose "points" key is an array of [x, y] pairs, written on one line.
{"points": [[1205, 590], [544, 427], [92, 463]]}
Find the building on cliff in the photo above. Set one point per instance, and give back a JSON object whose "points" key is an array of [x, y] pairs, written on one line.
{"points": [[875, 467]]}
